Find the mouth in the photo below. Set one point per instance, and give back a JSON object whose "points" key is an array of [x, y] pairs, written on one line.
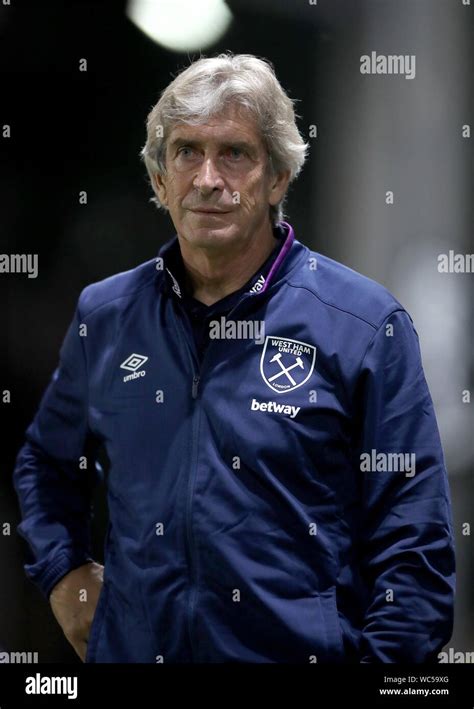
{"points": [[209, 211]]}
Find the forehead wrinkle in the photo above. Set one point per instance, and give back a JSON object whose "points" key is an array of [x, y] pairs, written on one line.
{"points": [[219, 143], [228, 135]]}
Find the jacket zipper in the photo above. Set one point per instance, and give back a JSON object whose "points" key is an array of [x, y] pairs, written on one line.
{"points": [[190, 543], [191, 546], [193, 559]]}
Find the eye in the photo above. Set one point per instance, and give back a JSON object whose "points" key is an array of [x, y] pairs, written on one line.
{"points": [[235, 153], [185, 151]]}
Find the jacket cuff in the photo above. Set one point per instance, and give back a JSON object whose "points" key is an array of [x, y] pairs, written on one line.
{"points": [[63, 563]]}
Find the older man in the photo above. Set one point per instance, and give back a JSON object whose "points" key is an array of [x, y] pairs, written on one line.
{"points": [[280, 498]]}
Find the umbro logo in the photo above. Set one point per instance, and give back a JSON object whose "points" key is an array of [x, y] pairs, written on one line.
{"points": [[133, 364]]}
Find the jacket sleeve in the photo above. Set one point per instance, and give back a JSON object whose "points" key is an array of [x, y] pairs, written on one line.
{"points": [[51, 476], [408, 558]]}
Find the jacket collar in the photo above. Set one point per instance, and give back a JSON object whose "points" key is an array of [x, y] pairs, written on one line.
{"points": [[288, 254]]}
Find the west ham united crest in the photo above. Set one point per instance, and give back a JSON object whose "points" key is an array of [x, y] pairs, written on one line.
{"points": [[286, 364]]}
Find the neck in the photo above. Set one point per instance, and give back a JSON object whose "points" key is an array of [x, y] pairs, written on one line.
{"points": [[211, 274]]}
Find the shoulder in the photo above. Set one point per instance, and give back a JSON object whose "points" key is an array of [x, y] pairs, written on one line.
{"points": [[340, 288], [118, 288]]}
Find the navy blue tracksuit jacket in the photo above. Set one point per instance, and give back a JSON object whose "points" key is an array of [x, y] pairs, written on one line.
{"points": [[281, 498]]}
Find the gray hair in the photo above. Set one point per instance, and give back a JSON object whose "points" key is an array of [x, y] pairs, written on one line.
{"points": [[204, 89]]}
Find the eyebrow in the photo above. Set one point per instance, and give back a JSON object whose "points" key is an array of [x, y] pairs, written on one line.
{"points": [[240, 144]]}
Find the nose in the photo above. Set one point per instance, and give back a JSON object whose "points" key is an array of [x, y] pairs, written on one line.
{"points": [[208, 178]]}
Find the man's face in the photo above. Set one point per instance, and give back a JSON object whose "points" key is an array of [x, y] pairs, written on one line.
{"points": [[218, 184]]}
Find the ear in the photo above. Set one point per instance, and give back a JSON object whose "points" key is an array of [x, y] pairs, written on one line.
{"points": [[278, 186], [160, 187]]}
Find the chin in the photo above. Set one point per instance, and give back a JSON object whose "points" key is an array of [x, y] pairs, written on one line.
{"points": [[207, 235]]}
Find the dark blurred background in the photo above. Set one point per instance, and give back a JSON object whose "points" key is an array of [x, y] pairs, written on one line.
{"points": [[73, 131]]}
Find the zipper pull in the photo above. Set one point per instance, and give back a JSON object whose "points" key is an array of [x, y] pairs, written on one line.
{"points": [[194, 390]]}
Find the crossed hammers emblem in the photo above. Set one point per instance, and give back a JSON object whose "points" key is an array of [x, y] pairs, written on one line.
{"points": [[285, 370]]}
